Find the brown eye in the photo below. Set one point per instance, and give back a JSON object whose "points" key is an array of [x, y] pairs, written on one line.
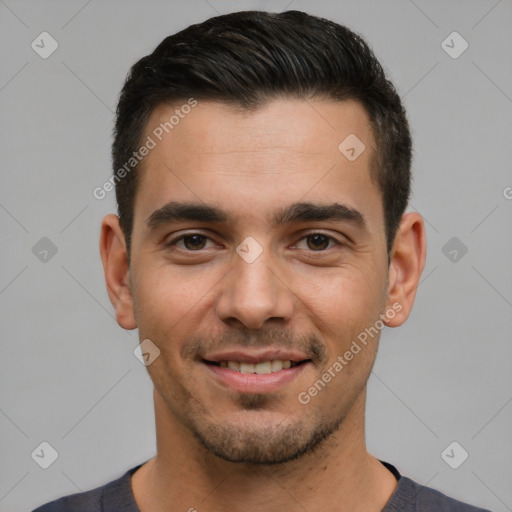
{"points": [[193, 242], [318, 241]]}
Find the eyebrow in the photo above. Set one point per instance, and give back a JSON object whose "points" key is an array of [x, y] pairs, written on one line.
{"points": [[296, 212]]}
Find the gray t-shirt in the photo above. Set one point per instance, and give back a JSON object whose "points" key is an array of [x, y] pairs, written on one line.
{"points": [[117, 496]]}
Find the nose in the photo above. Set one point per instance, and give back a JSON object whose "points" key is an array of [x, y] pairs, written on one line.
{"points": [[254, 293]]}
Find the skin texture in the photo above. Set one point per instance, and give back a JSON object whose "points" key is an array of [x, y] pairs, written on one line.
{"points": [[219, 448]]}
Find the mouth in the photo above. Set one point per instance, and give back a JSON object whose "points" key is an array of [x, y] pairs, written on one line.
{"points": [[255, 373], [260, 368]]}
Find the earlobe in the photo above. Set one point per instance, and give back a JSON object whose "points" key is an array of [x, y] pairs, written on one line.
{"points": [[117, 271], [407, 261]]}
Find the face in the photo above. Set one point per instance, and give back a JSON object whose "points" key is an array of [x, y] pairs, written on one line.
{"points": [[258, 259]]}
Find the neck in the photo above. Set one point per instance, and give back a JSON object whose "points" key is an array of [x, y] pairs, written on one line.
{"points": [[337, 475]]}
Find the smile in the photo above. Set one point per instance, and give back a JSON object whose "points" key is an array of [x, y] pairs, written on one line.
{"points": [[263, 376], [262, 368]]}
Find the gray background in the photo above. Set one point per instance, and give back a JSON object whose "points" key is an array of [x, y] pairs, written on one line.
{"points": [[68, 375]]}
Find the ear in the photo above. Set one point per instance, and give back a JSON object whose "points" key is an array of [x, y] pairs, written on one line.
{"points": [[407, 260], [117, 271]]}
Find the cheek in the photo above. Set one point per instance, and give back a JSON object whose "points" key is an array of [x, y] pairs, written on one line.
{"points": [[158, 307], [171, 306], [343, 298], [166, 295], [344, 305]]}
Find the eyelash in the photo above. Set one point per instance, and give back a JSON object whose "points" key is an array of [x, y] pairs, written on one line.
{"points": [[174, 241]]}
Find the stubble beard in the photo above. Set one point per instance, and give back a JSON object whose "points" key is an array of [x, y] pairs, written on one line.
{"points": [[256, 443], [260, 445]]}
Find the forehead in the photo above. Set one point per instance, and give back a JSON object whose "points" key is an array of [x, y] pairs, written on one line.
{"points": [[251, 159], [310, 126]]}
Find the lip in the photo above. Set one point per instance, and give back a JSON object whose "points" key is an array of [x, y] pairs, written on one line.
{"points": [[253, 382], [257, 356]]}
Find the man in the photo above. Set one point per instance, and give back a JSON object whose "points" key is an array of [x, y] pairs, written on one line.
{"points": [[262, 171]]}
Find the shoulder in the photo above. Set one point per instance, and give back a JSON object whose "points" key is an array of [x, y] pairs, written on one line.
{"points": [[115, 495], [410, 495], [79, 502]]}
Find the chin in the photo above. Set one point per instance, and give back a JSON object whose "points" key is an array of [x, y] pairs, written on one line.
{"points": [[263, 442]]}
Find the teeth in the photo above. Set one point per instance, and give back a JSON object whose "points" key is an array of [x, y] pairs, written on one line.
{"points": [[246, 368], [262, 368], [233, 365], [259, 368], [277, 366]]}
